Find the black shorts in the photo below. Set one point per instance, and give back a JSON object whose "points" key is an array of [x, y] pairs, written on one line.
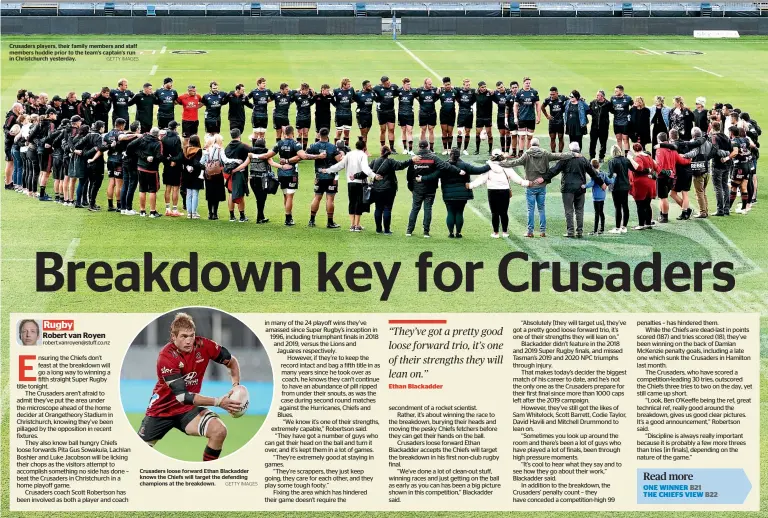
{"points": [[8, 146], [279, 123], [526, 125], [682, 182], [189, 128], [329, 187], [484, 122], [448, 118], [162, 122], [114, 169], [303, 123], [213, 125], [465, 120], [59, 167], [364, 120], [259, 121], [46, 159], [557, 128], [155, 428], [663, 186], [172, 176], [322, 123], [427, 119], [385, 117], [238, 125], [620, 129], [288, 182], [501, 124], [405, 120], [148, 182], [740, 174], [343, 120], [511, 126]]}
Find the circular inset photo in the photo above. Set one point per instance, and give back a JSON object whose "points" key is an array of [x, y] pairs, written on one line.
{"points": [[28, 332], [196, 384]]}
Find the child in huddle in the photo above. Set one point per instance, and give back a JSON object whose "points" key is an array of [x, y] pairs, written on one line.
{"points": [[598, 198]]}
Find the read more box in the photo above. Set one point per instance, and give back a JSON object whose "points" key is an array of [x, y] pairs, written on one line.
{"points": [[58, 325]]}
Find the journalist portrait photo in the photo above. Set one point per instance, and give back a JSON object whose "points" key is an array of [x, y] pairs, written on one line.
{"points": [[29, 332], [196, 384]]}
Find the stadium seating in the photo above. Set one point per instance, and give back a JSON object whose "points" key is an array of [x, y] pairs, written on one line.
{"points": [[409, 8]]}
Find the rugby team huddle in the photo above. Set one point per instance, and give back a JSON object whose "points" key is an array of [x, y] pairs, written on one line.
{"points": [[660, 151]]}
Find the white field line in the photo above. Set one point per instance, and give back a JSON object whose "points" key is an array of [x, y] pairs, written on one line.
{"points": [[417, 60], [162, 50], [154, 69], [708, 71], [651, 51], [71, 249]]}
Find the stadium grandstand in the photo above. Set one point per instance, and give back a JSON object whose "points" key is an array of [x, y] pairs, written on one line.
{"points": [[434, 8]]}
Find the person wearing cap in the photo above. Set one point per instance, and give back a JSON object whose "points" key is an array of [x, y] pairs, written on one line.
{"points": [[237, 101], [557, 105], [145, 106], [191, 102], [85, 108], [325, 183], [56, 102], [385, 94], [173, 154], [149, 152], [447, 114], [101, 105], [502, 99], [700, 115], [213, 101], [115, 165], [483, 116], [423, 192], [166, 98], [454, 183], [573, 187], [527, 113], [120, 97]]}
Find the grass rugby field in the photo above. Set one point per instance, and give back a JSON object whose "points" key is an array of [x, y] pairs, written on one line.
{"points": [[729, 71]]}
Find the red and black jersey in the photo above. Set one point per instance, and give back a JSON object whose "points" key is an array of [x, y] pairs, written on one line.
{"points": [[171, 362]]}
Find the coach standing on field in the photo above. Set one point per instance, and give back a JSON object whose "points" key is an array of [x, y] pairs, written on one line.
{"points": [[237, 101], [600, 110], [191, 102]]}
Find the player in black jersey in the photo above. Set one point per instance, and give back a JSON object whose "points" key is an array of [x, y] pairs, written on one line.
{"points": [[364, 99], [447, 114], [427, 96], [385, 94], [120, 97], [484, 116], [261, 97], [213, 101], [514, 86], [323, 102], [283, 100], [501, 99], [405, 98], [304, 99], [166, 98], [343, 98], [556, 103], [465, 98]]}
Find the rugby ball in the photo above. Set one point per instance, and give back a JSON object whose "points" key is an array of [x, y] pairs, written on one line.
{"points": [[240, 395]]}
